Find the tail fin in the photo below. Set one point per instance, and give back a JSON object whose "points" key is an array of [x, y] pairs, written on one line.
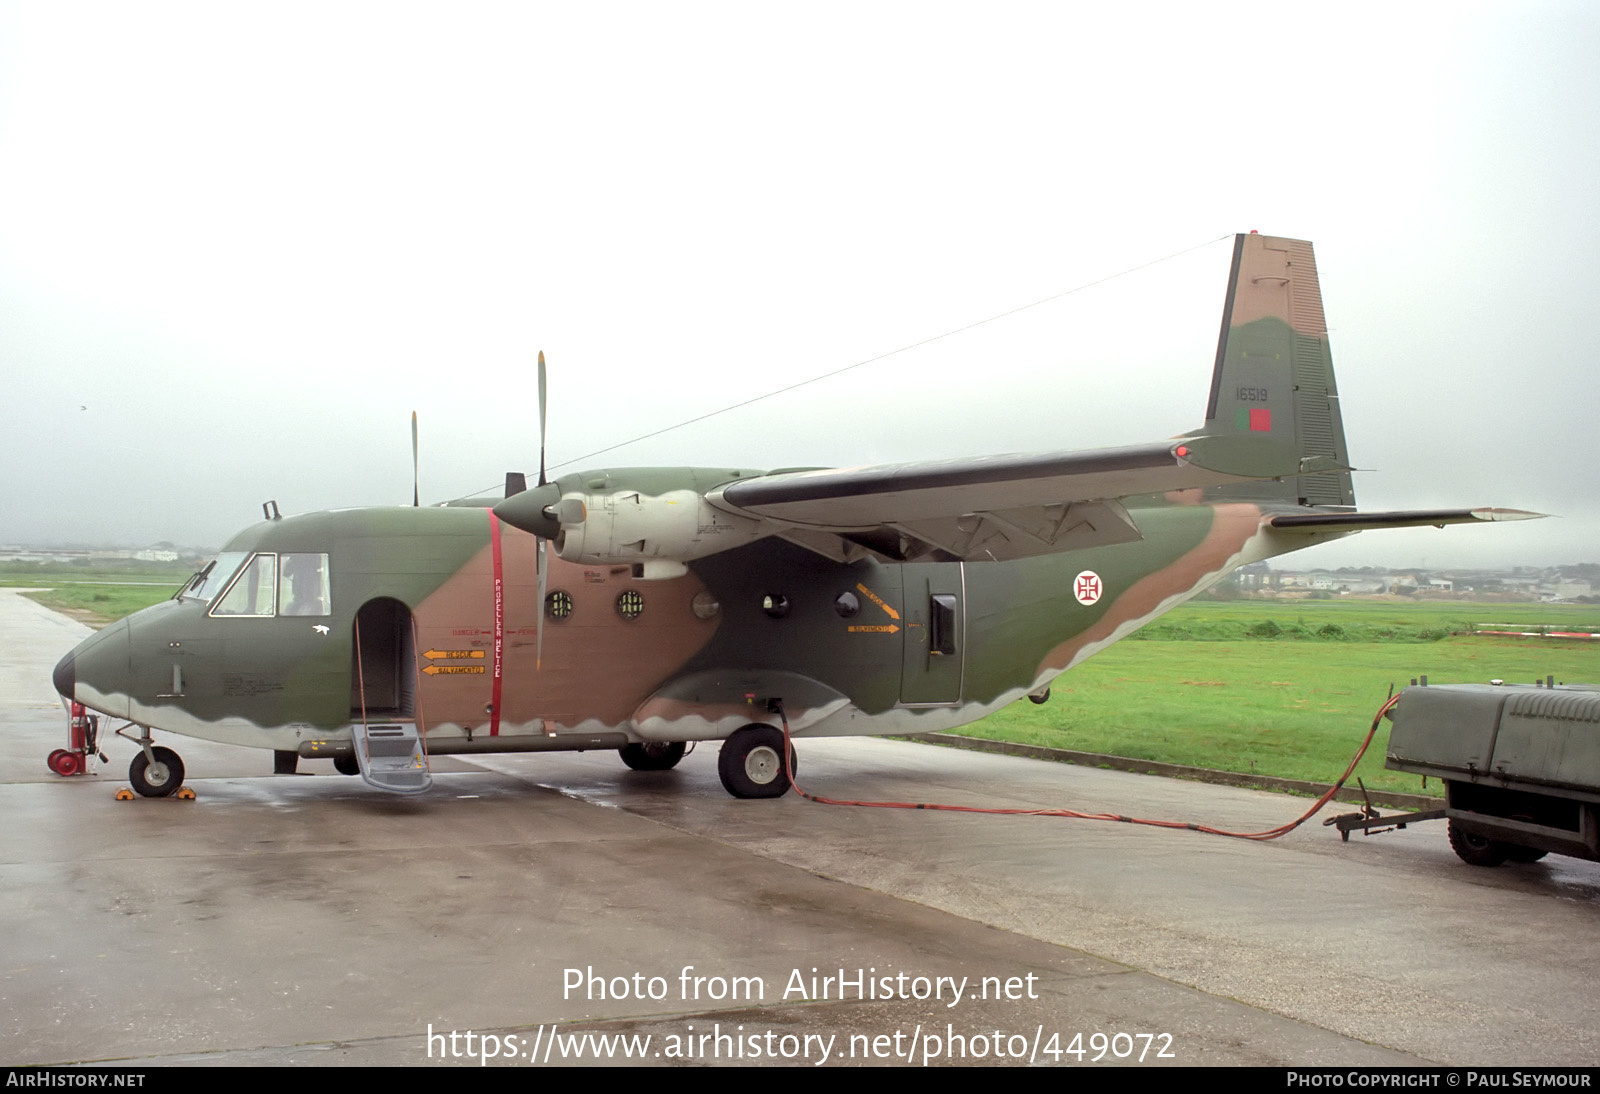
{"points": [[1274, 372]]}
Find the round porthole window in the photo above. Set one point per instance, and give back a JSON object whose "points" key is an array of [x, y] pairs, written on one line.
{"points": [[775, 605], [558, 605], [705, 606], [847, 605], [630, 604]]}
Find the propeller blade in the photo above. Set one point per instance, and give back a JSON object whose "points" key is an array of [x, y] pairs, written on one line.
{"points": [[541, 417], [540, 562], [542, 567], [416, 490], [516, 483]]}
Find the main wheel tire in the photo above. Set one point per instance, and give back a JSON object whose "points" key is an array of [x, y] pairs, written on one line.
{"points": [[652, 755], [1476, 850], [347, 764], [751, 763], [160, 778]]}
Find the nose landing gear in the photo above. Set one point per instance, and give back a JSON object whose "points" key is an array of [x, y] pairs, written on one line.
{"points": [[155, 772]]}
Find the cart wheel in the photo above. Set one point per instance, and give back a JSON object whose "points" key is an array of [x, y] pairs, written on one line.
{"points": [[1475, 850], [64, 763]]}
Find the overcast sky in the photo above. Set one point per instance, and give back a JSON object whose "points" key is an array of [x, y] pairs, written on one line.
{"points": [[240, 244]]}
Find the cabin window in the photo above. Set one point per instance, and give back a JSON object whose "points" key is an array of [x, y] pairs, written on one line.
{"points": [[304, 588], [252, 592], [630, 605]]}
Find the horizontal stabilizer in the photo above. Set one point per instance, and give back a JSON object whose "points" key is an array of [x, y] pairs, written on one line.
{"points": [[1403, 518]]}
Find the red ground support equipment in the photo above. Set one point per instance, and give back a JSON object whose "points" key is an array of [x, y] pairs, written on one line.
{"points": [[81, 731]]}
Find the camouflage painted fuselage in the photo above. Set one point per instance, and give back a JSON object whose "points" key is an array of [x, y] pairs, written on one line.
{"points": [[634, 660]]}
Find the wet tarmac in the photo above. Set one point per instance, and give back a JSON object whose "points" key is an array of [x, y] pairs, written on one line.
{"points": [[540, 899]]}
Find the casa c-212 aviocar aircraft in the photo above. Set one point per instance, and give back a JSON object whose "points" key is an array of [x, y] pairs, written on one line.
{"points": [[641, 609]]}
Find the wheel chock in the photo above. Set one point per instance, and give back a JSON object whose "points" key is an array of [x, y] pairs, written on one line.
{"points": [[183, 794]]}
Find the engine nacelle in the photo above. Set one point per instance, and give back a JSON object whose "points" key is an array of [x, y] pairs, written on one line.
{"points": [[627, 526]]}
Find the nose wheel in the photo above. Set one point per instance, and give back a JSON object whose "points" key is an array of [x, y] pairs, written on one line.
{"points": [[156, 773]]}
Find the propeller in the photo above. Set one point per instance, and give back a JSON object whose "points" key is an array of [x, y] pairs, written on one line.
{"points": [[416, 490], [539, 511], [540, 563]]}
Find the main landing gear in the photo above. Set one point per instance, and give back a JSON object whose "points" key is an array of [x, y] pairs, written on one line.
{"points": [[652, 755], [751, 763]]}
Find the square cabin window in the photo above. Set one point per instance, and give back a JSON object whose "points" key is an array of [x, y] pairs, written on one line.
{"points": [[304, 588]]}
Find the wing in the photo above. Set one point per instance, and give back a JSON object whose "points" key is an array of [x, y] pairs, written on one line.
{"points": [[994, 507]]}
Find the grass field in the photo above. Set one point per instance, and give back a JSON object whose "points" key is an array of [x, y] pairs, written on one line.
{"points": [[1295, 705], [100, 593], [1260, 687]]}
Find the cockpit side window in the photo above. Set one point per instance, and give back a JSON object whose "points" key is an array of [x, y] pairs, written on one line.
{"points": [[304, 589], [252, 592]]}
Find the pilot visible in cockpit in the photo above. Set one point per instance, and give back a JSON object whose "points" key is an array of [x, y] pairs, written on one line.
{"points": [[307, 578]]}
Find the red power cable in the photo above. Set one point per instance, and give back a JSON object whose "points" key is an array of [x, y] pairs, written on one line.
{"points": [[1271, 833]]}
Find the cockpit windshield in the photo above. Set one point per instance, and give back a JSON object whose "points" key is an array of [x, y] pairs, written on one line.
{"points": [[294, 583], [213, 576]]}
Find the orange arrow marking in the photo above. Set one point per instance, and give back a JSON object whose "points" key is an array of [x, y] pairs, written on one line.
{"points": [[878, 600], [458, 670], [887, 628], [452, 654]]}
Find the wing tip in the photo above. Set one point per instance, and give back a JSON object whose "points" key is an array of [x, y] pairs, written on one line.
{"points": [[1349, 521], [1487, 513]]}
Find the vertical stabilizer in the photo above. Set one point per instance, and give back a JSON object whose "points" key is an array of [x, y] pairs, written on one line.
{"points": [[1274, 372]]}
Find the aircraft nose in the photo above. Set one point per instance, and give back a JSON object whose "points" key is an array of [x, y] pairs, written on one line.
{"points": [[96, 673], [65, 677]]}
